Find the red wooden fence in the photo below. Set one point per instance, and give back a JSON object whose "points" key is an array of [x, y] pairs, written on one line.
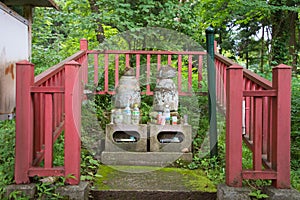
{"points": [[48, 105], [147, 63], [257, 110]]}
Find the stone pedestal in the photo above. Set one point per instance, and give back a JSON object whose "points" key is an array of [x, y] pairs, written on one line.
{"points": [[126, 137], [170, 138]]}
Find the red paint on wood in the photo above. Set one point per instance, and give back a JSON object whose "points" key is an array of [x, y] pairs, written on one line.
{"points": [[72, 121], [190, 65], [116, 70], [148, 92], [24, 121], [179, 79], [48, 131], [281, 118], [257, 136], [138, 59], [106, 64], [255, 175], [234, 126], [200, 67], [127, 60], [96, 77], [169, 59]]}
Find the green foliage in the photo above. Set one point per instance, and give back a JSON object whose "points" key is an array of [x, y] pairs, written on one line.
{"points": [[257, 194], [7, 154]]}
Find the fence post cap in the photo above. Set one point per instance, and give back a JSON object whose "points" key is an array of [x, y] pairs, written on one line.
{"points": [[72, 62], [24, 62], [210, 29], [282, 66], [235, 67]]}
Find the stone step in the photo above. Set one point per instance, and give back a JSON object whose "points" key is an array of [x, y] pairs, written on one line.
{"points": [[160, 159], [152, 195], [145, 182]]}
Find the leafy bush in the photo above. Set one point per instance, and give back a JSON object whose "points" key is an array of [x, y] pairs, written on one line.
{"points": [[7, 154]]}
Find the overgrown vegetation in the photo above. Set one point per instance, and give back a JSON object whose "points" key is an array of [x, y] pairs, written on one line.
{"points": [[45, 188], [249, 32]]}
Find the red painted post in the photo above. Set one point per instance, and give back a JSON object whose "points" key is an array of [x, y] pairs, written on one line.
{"points": [[84, 46], [281, 125], [234, 98], [72, 121], [24, 121]]}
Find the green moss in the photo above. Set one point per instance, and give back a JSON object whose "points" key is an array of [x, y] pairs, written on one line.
{"points": [[145, 177]]}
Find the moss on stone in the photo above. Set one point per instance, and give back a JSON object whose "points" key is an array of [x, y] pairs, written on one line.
{"points": [[152, 178]]}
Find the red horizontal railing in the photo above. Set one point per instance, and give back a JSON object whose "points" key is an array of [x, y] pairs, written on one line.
{"points": [[48, 105], [110, 63], [258, 112]]}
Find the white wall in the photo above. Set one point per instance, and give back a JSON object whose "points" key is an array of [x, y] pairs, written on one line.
{"points": [[14, 46]]}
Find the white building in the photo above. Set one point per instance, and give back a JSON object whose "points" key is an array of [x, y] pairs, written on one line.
{"points": [[15, 45]]}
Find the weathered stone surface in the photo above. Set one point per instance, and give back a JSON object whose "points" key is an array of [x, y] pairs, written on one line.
{"points": [[152, 195], [27, 189], [281, 194], [231, 193], [144, 158], [139, 146], [75, 192], [157, 146], [141, 182]]}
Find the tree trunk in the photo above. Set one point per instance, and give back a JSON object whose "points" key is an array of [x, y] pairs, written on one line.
{"points": [[293, 42], [262, 49], [99, 30]]}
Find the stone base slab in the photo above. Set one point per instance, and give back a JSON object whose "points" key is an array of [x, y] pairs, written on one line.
{"points": [[126, 129], [75, 192], [181, 132], [143, 158], [281, 194], [27, 189]]}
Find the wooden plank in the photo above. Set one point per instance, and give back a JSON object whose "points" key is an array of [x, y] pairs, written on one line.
{"points": [[47, 89], [234, 126], [24, 122], [257, 134], [39, 171], [259, 93], [255, 175], [48, 131]]}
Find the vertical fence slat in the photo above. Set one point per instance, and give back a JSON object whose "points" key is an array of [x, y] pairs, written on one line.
{"points": [[179, 79], [24, 121], [158, 62], [148, 92], [84, 46], [127, 61], [190, 65], [270, 124], [116, 70], [96, 66], [169, 59], [200, 69], [265, 127], [37, 123], [48, 131], [257, 134], [106, 63], [234, 126], [138, 60]]}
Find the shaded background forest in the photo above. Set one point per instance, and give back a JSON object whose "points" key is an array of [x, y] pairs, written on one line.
{"points": [[258, 34]]}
